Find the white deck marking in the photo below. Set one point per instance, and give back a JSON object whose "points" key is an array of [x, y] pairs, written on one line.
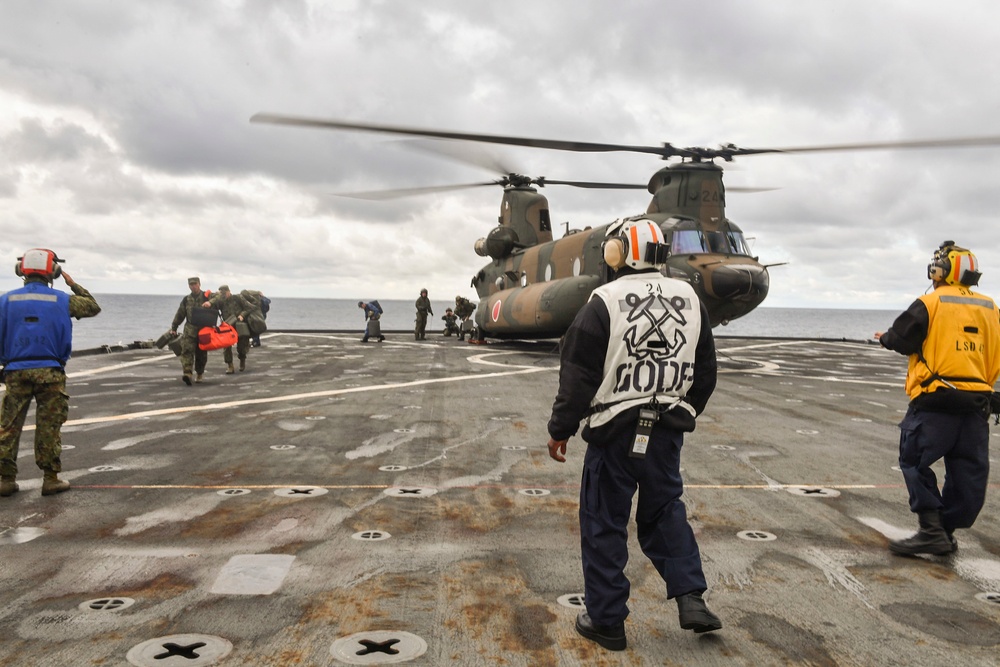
{"points": [[253, 574], [520, 370], [115, 367]]}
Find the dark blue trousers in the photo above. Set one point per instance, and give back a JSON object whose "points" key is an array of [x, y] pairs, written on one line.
{"points": [[610, 480], [962, 440]]}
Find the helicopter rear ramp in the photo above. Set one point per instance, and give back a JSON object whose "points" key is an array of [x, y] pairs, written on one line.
{"points": [[341, 503]]}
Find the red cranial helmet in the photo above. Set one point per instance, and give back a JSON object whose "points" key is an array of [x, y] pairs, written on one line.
{"points": [[39, 262]]}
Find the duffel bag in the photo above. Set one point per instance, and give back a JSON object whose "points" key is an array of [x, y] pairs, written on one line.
{"points": [[242, 329], [216, 338], [256, 323]]}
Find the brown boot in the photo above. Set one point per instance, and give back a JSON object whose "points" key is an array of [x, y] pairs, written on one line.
{"points": [[197, 378], [243, 364], [51, 484], [8, 486], [230, 369]]}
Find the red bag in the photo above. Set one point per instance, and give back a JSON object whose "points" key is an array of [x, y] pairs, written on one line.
{"points": [[218, 337]]}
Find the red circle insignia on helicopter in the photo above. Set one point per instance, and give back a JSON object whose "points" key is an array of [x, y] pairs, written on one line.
{"points": [[496, 311]]}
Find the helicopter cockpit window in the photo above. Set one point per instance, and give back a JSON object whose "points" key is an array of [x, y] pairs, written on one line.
{"points": [[688, 241]]}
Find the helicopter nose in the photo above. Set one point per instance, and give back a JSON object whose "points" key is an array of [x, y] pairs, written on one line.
{"points": [[745, 282]]}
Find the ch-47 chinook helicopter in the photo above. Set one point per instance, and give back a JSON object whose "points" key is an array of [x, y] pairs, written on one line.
{"points": [[534, 285]]}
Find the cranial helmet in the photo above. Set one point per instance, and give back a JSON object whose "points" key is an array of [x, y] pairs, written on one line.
{"points": [[38, 262], [635, 243], [954, 266]]}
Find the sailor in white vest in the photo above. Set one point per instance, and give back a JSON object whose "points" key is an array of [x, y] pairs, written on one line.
{"points": [[638, 363]]}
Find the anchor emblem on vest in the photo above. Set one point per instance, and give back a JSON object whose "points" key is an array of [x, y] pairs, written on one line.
{"points": [[649, 314]]}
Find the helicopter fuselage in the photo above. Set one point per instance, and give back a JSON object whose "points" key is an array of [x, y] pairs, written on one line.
{"points": [[537, 291]]}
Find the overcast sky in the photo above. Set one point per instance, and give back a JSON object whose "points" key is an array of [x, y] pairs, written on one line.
{"points": [[126, 144]]}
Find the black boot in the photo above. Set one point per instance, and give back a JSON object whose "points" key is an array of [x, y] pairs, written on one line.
{"points": [[930, 539], [694, 614], [611, 637]]}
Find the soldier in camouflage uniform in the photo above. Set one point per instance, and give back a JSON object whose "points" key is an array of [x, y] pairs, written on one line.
{"points": [[192, 356], [234, 309], [450, 322], [36, 334], [464, 309], [260, 305], [423, 306]]}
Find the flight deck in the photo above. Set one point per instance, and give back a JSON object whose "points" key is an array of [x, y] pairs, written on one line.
{"points": [[348, 503]]}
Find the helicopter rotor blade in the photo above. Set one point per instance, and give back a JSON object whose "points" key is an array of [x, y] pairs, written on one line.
{"points": [[379, 195], [464, 153], [596, 185], [509, 180], [726, 152], [739, 188], [630, 186], [578, 146], [965, 142]]}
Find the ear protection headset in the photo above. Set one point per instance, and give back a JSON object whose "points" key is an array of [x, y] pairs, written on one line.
{"points": [[954, 266], [39, 262], [636, 243]]}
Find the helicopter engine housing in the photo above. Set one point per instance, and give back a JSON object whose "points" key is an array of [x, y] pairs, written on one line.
{"points": [[499, 243]]}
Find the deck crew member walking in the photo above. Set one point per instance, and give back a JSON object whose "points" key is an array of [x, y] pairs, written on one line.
{"points": [[36, 337], [952, 337], [639, 362]]}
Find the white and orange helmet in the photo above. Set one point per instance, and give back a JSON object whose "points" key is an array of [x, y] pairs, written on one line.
{"points": [[638, 244]]}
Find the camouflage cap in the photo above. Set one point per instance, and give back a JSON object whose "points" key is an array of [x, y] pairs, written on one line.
{"points": [[194, 279], [223, 288]]}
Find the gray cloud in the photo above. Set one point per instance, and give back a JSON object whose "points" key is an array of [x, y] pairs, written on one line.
{"points": [[125, 130]]}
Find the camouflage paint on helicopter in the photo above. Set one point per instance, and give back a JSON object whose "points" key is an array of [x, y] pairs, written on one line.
{"points": [[535, 286]]}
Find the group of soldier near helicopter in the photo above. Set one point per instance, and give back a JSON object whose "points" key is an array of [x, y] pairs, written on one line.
{"points": [[245, 312], [455, 321]]}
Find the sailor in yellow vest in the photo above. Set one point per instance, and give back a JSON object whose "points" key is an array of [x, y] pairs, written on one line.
{"points": [[952, 337]]}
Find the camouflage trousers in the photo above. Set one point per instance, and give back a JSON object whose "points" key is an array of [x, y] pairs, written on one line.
{"points": [[421, 325], [242, 345], [48, 387], [192, 356]]}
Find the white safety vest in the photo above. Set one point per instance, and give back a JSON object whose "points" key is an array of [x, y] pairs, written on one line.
{"points": [[655, 326]]}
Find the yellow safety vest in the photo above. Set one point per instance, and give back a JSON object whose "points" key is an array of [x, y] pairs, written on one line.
{"points": [[962, 347]]}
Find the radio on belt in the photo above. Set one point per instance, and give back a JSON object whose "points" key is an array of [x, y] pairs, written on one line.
{"points": [[647, 419]]}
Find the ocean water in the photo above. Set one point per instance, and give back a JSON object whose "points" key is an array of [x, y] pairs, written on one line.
{"points": [[128, 318]]}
